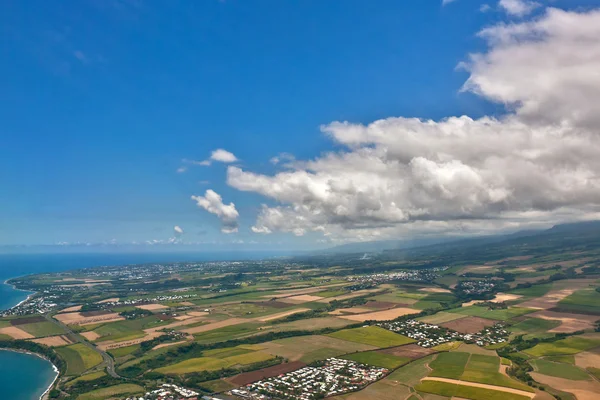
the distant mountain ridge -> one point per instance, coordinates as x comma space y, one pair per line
450, 242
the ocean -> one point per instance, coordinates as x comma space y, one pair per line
26, 377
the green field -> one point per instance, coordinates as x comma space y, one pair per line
218, 385
42, 329
378, 359
87, 377
79, 358
473, 368
484, 369
582, 301
228, 333
534, 325
123, 351
331, 293
128, 329
559, 370
449, 365
411, 374
372, 335
213, 364
533, 291
441, 317
466, 392
312, 348
570, 345
500, 315
117, 391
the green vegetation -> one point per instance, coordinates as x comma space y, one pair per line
449, 365
112, 391
582, 301
228, 333
372, 335
331, 293
42, 329
79, 358
532, 290
128, 329
378, 359
123, 351
218, 385
498, 314
87, 377
466, 392
211, 363
441, 317
570, 345
534, 325
559, 370
411, 374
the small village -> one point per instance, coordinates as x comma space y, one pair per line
168, 392
413, 276
475, 287
334, 377
428, 335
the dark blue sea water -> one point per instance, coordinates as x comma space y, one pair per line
26, 377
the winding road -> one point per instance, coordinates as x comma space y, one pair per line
108, 360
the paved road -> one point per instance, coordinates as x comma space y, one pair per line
108, 361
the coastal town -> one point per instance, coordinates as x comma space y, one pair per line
333, 376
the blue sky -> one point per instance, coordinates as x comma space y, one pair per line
102, 100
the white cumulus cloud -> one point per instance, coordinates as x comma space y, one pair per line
177, 231
227, 213
539, 163
518, 8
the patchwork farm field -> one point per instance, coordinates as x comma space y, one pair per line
112, 392
378, 359
79, 358
373, 336
570, 345
498, 314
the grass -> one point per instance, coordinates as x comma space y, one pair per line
559, 370
582, 301
484, 312
568, 359
594, 371
312, 348
447, 346
484, 369
213, 364
449, 365
42, 329
533, 291
378, 359
227, 333
226, 352
123, 351
87, 377
218, 385
128, 329
331, 293
5, 337
372, 335
534, 325
411, 374
466, 392
570, 345
112, 391
441, 317
79, 358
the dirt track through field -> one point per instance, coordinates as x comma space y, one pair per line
482, 386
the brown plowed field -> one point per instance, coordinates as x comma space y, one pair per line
53, 341
468, 325
28, 320
382, 305
272, 304
411, 351
249, 377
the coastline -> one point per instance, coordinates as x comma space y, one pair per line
43, 396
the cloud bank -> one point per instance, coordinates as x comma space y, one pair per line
538, 163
